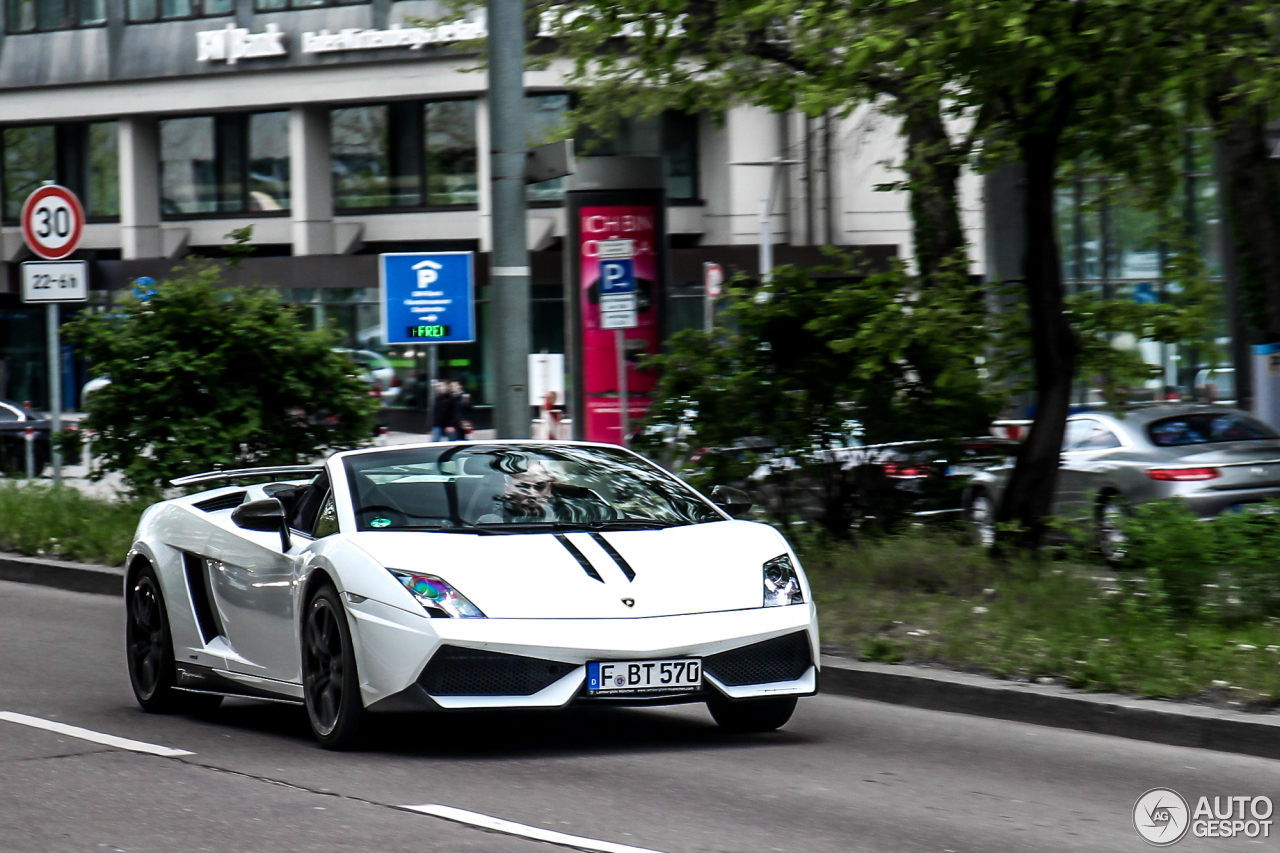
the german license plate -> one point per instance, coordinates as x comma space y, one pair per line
647, 676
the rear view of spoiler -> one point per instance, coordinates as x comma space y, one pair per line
278, 472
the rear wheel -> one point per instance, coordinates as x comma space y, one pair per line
149, 647
752, 715
330, 682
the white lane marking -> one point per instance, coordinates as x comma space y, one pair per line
496, 824
90, 735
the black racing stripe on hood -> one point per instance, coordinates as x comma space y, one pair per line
617, 558
579, 556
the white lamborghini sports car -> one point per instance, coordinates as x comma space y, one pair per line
436, 577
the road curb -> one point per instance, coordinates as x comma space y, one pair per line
78, 577
1172, 723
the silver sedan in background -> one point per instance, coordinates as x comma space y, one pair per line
1214, 458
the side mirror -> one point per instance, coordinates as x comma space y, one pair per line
734, 502
267, 515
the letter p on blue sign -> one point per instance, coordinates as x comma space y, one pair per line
617, 276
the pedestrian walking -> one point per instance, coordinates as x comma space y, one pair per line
444, 414
462, 409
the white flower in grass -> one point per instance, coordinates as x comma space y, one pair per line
1219, 683
979, 610
1245, 647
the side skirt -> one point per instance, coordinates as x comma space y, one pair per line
194, 678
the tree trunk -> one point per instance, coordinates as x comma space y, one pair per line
933, 172
1251, 191
1028, 499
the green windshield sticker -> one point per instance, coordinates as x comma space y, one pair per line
380, 522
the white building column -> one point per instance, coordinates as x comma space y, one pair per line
311, 180
139, 147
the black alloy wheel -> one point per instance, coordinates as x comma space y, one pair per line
149, 647
330, 683
752, 715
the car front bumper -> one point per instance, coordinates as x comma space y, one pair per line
394, 649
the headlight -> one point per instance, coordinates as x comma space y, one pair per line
781, 584
440, 600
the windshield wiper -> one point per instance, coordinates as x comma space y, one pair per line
562, 526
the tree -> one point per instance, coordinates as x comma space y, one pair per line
831, 355
642, 56
203, 376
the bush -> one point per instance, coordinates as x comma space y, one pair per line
37, 520
1182, 550
205, 376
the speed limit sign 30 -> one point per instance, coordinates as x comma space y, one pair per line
52, 222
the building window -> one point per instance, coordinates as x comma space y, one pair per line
279, 5
237, 163
27, 16
1113, 243
407, 154
142, 11
80, 156
671, 135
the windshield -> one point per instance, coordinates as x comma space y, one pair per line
1206, 428
507, 488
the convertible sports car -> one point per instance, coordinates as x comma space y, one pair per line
434, 577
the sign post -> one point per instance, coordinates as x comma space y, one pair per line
712, 281
428, 298
618, 309
52, 224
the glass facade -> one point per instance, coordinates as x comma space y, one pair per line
237, 163
407, 154
141, 11
1113, 243
27, 16
82, 157
277, 5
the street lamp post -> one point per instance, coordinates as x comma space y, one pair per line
509, 268
766, 212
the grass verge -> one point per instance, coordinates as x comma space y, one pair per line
39, 520
929, 597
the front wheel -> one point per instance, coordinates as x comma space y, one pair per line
330, 683
149, 647
752, 715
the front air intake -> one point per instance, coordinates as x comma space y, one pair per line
455, 671
785, 658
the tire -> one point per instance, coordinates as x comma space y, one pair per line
1110, 537
752, 715
981, 515
330, 681
149, 650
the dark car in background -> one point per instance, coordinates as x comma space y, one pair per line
14, 423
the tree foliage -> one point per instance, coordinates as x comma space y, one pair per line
203, 376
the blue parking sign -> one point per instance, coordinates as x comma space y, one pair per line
427, 297
617, 276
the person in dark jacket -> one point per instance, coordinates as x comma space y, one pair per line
444, 416
462, 410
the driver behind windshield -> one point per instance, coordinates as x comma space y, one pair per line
531, 494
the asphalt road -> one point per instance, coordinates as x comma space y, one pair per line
844, 775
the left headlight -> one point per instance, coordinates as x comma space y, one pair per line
436, 595
781, 583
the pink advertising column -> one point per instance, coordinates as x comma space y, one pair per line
613, 199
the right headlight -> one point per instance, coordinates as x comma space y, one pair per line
781, 583
436, 596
